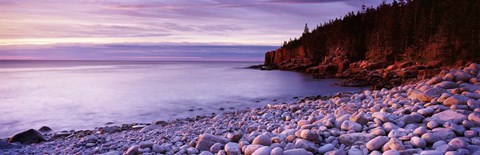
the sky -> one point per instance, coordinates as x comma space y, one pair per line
240, 30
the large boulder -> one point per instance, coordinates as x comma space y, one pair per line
205, 141
28, 137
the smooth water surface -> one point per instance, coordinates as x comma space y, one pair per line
88, 94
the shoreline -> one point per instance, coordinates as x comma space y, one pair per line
434, 116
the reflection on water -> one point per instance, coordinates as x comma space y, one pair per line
84, 95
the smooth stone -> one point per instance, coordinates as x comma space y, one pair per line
205, 141
216, 147
446, 85
431, 152
28, 137
474, 118
418, 142
302, 143
297, 152
354, 138
276, 151
396, 144
303, 122
132, 150
251, 148
456, 100
382, 116
448, 116
438, 143
262, 140
391, 152
192, 150
45, 129
146, 144
426, 111
157, 148
377, 142
336, 152
232, 148
432, 124
350, 125
205, 153
264, 150
150, 128
325, 148
354, 151
457, 143
436, 136
309, 135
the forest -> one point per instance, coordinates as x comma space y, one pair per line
446, 32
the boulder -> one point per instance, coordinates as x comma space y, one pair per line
28, 137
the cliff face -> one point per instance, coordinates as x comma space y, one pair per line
393, 40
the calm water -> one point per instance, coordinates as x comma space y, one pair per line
84, 95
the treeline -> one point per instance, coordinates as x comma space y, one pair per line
420, 30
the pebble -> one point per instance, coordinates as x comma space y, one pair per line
325, 148
377, 142
264, 150
262, 140
418, 142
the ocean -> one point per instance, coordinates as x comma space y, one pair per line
77, 95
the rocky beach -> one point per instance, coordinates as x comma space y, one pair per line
440, 115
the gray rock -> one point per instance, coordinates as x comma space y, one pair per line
456, 100
391, 152
158, 148
446, 85
377, 142
216, 147
276, 151
205, 153
192, 150
309, 135
431, 152
132, 150
396, 144
474, 118
457, 143
325, 148
297, 152
251, 148
355, 151
448, 116
265, 150
262, 140
232, 148
418, 142
354, 138
205, 141
349, 125
336, 152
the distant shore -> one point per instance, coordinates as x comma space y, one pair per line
440, 115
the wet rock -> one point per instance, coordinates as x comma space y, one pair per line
45, 129
28, 137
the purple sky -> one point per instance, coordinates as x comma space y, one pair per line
158, 29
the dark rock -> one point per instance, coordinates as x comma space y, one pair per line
28, 137
45, 129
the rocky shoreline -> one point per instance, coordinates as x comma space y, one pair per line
440, 115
